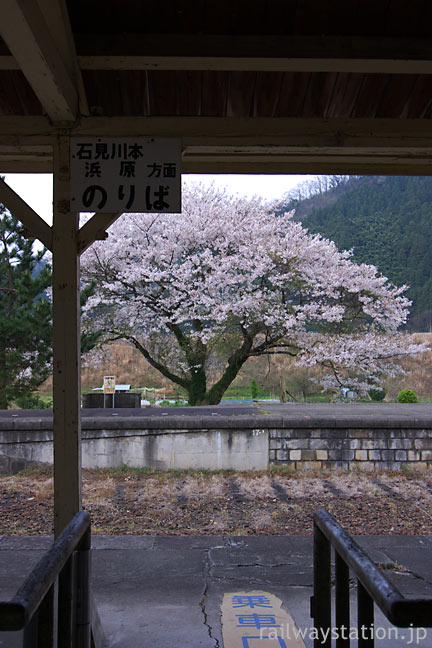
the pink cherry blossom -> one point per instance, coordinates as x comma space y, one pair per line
199, 293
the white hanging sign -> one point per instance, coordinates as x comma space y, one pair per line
125, 174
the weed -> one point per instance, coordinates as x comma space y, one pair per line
281, 469
127, 471
406, 470
36, 471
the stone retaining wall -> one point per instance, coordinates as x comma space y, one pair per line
343, 448
112, 445
229, 442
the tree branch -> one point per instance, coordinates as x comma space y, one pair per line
157, 365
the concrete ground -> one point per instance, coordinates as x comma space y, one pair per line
314, 411
167, 591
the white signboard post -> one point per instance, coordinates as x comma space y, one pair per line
126, 174
109, 387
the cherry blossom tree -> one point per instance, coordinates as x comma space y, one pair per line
199, 293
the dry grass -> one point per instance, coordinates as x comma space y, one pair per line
419, 372
143, 502
129, 366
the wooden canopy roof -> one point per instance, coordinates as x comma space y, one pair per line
271, 86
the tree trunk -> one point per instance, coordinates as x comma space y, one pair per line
4, 403
197, 387
215, 393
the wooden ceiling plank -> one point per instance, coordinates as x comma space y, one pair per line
310, 16
214, 93
240, 93
345, 93
410, 20
189, 99
267, 93
133, 92
190, 16
318, 95
35, 225
292, 93
247, 17
370, 17
395, 101
9, 98
29, 104
421, 99
163, 93
280, 17
368, 99
28, 38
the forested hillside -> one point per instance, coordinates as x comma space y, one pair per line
388, 222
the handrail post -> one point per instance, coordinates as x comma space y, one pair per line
321, 604
30, 634
66, 612
342, 602
83, 612
365, 617
47, 621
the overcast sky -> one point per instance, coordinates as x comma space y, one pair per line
36, 189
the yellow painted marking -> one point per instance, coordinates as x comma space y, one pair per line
256, 620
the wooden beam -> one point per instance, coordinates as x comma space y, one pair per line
196, 131
264, 53
66, 357
242, 64
406, 134
26, 166
254, 145
29, 40
56, 16
350, 54
34, 224
314, 164
95, 230
13, 128
26, 159
250, 64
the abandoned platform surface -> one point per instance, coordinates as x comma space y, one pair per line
167, 591
330, 412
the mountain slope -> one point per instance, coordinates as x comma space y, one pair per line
388, 222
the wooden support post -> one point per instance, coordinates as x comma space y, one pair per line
66, 318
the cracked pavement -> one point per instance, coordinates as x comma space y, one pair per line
167, 591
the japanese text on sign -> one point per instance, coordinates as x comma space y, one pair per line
256, 620
126, 174
109, 384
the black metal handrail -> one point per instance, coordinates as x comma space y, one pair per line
372, 587
52, 605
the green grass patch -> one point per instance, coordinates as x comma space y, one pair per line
244, 393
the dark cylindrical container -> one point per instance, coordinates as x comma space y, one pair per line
119, 399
